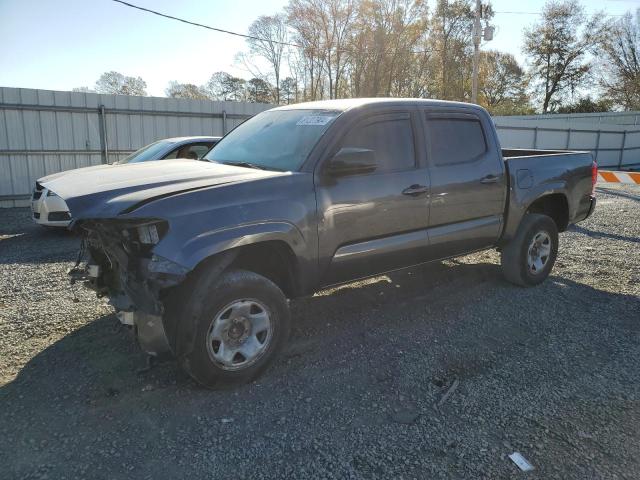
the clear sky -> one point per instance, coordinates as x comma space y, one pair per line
63, 44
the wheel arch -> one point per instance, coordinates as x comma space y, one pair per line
554, 205
272, 258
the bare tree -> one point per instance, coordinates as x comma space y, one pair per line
401, 48
324, 27
119, 84
557, 48
307, 63
450, 36
185, 90
619, 62
384, 46
272, 34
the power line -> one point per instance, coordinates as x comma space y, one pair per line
252, 37
295, 45
206, 26
542, 13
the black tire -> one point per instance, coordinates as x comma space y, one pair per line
211, 294
514, 258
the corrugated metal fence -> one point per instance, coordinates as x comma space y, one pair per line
44, 131
613, 146
612, 118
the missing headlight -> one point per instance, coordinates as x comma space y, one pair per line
148, 234
160, 264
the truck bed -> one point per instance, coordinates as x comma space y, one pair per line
524, 152
534, 173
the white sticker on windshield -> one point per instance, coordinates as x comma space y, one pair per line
315, 120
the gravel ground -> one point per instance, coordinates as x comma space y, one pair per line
436, 372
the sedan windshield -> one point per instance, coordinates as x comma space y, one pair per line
150, 152
273, 140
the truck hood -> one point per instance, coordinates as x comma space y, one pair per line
109, 190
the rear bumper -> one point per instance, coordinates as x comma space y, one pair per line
592, 207
586, 208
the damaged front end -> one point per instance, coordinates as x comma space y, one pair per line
116, 259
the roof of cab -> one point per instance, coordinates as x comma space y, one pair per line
200, 138
349, 103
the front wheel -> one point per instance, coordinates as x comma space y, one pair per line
236, 325
529, 257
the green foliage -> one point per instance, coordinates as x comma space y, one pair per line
557, 47
288, 91
587, 105
502, 84
258, 91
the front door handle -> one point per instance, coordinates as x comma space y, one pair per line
415, 190
489, 179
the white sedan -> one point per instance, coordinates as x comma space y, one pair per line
50, 210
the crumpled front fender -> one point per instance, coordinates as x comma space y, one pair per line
207, 244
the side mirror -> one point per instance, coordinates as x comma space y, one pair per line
352, 161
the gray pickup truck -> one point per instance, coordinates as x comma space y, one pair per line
201, 257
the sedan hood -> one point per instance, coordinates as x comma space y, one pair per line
109, 190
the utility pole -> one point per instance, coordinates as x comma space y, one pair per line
477, 35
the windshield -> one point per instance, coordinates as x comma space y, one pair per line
149, 152
274, 140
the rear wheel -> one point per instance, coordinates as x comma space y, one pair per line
529, 257
235, 326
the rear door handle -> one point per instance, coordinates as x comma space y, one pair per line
489, 179
415, 190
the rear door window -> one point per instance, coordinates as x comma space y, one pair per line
455, 140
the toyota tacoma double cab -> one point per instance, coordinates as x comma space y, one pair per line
202, 257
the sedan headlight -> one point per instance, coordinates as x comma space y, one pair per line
51, 194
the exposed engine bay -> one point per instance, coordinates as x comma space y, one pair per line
116, 260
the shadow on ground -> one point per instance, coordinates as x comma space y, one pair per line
618, 193
604, 235
358, 355
25, 242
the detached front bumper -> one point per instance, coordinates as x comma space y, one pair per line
149, 331
147, 326
135, 286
